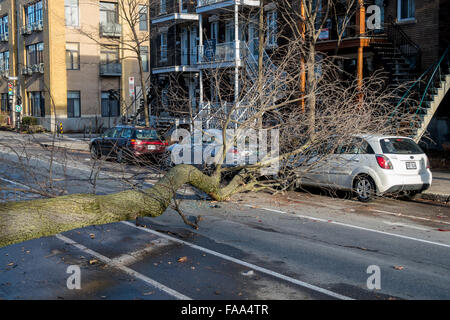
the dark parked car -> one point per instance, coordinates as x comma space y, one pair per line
128, 143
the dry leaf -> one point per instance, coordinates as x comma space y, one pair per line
93, 261
398, 268
182, 259
92, 236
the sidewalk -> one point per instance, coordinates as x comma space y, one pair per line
68, 141
440, 187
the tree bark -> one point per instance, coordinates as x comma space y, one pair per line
26, 220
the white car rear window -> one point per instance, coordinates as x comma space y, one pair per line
399, 146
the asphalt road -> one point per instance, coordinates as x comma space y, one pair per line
292, 246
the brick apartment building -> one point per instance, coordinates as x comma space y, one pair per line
191, 37
68, 56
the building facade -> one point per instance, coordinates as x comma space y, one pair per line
193, 38
72, 60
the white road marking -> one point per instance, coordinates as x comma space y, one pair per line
399, 224
125, 269
408, 216
15, 183
357, 227
135, 256
245, 264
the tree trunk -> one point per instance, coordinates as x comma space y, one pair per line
25, 220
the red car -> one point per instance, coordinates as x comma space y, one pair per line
128, 143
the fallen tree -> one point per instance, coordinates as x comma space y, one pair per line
25, 220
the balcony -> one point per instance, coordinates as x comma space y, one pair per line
29, 28
211, 5
219, 55
175, 60
178, 12
111, 69
110, 29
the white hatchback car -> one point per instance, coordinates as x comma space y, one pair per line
370, 165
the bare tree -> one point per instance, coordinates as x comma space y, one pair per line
335, 115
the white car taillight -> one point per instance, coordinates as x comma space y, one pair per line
428, 163
384, 162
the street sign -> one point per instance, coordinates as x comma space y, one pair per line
18, 108
13, 78
131, 86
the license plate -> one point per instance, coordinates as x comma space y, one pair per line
151, 147
411, 165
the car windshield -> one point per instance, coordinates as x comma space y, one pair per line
146, 134
399, 146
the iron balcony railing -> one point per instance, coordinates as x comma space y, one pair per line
410, 50
110, 69
110, 29
202, 3
220, 52
423, 89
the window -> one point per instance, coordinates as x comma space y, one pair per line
272, 29
4, 26
73, 104
215, 30
399, 146
109, 55
71, 13
33, 14
144, 57
162, 7
108, 13
164, 46
110, 106
406, 10
35, 53
36, 103
73, 56
143, 18
5, 103
126, 133
4, 61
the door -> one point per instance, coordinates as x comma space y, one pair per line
349, 157
184, 47
105, 142
193, 45
253, 38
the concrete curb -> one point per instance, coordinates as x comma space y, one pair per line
445, 198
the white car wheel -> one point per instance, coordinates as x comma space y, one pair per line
364, 188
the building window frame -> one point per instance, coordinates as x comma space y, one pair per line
4, 25
109, 107
162, 7
73, 104
72, 13
35, 54
73, 56
163, 46
36, 103
34, 13
143, 18
410, 10
144, 58
272, 28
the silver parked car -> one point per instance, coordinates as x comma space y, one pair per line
370, 165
